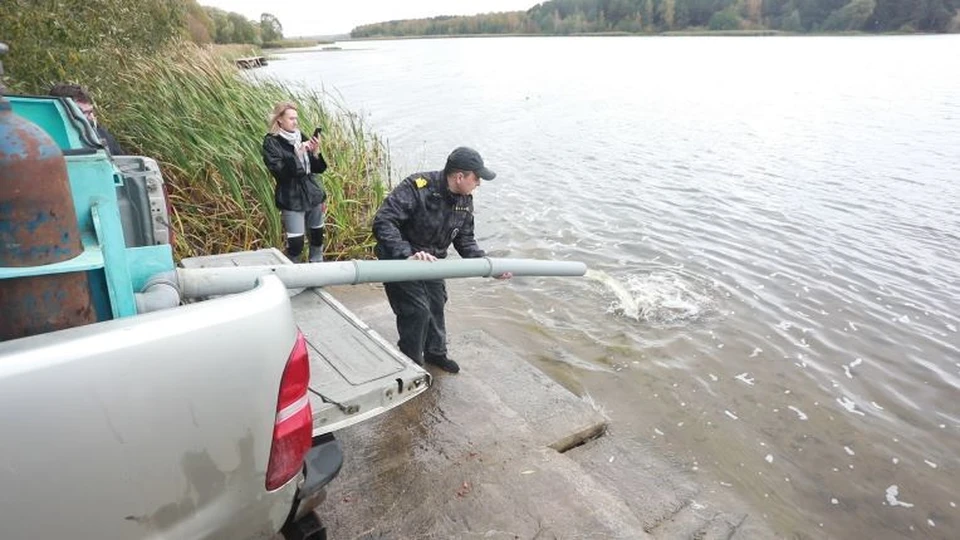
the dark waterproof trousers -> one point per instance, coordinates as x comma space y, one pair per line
418, 306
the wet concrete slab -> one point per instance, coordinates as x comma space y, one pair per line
502, 451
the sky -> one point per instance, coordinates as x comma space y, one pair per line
319, 17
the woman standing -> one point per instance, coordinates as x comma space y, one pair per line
293, 160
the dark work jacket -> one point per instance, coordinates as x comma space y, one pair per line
109, 142
297, 189
422, 214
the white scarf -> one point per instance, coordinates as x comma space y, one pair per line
294, 138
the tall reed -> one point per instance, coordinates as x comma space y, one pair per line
204, 122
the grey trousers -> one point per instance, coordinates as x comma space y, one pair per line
296, 224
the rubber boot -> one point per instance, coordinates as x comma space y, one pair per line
294, 248
316, 245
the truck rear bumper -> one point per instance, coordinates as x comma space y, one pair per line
321, 465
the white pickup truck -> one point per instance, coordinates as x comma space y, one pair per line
128, 413
211, 419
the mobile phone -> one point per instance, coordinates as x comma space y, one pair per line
316, 132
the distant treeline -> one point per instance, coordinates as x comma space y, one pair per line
207, 24
566, 17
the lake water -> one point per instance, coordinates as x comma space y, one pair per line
773, 236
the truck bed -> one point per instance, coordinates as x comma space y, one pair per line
355, 373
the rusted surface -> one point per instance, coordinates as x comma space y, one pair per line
41, 304
38, 226
38, 223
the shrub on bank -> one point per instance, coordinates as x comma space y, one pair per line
204, 122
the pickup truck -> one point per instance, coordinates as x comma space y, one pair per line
143, 400
212, 418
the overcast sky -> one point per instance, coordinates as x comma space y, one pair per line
324, 17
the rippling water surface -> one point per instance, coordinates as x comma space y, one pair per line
773, 236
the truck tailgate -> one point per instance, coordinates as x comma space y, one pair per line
354, 373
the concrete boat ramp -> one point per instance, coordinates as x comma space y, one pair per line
502, 451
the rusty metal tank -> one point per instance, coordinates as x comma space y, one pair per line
38, 229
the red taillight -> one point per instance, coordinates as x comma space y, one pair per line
293, 429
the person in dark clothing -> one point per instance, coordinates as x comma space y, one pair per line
294, 161
85, 103
419, 220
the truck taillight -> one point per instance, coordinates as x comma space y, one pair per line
293, 429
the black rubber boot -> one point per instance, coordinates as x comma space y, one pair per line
294, 248
442, 362
316, 245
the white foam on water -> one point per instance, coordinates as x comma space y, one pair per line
756, 351
892, 493
745, 378
851, 365
952, 328
731, 415
657, 431
849, 451
904, 319
874, 403
769, 458
852, 326
800, 413
660, 296
849, 405
930, 463
931, 523
713, 377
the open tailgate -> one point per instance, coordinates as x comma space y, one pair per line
355, 374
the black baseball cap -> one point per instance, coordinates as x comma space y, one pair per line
468, 159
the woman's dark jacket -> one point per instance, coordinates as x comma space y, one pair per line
297, 189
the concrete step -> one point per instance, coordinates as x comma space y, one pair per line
670, 503
460, 461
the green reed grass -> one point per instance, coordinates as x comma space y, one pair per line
204, 122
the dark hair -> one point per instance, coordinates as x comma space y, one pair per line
75, 91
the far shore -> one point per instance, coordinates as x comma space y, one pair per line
672, 33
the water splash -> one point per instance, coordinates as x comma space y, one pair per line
661, 296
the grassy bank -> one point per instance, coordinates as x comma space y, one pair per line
193, 112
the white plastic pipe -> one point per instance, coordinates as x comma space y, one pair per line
160, 292
200, 282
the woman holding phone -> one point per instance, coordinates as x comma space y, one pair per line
295, 161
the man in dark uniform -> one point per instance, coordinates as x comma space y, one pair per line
419, 220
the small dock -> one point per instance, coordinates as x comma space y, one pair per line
251, 62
